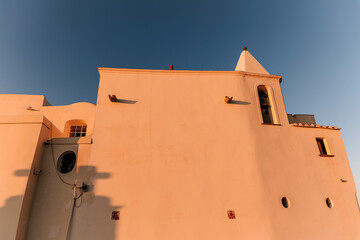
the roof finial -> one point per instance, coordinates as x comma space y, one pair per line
244, 48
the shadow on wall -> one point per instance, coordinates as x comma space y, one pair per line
126, 101
239, 102
22, 172
10, 212
55, 214
9, 217
92, 217
55, 132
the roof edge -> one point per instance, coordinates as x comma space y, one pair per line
314, 126
104, 69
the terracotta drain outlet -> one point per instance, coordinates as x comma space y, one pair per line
115, 215
231, 214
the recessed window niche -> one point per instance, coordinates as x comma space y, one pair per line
75, 128
323, 147
266, 105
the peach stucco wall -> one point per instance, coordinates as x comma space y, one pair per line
179, 158
21, 148
173, 158
15, 105
23, 132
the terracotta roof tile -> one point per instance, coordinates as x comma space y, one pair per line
313, 126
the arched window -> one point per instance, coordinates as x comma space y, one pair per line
267, 111
75, 128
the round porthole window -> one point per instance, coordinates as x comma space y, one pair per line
329, 203
66, 162
285, 202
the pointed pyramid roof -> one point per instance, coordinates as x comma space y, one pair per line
248, 63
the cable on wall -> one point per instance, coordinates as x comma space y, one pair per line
75, 198
74, 187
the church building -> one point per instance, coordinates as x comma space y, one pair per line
173, 155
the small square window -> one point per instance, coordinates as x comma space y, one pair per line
77, 131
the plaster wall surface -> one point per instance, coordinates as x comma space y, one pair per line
179, 158
53, 204
173, 158
22, 139
14, 104
24, 131
18, 105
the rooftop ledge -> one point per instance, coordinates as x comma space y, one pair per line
102, 69
70, 141
25, 119
314, 126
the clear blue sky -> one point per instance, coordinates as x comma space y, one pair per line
54, 47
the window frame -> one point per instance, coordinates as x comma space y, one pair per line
82, 130
321, 143
70, 124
